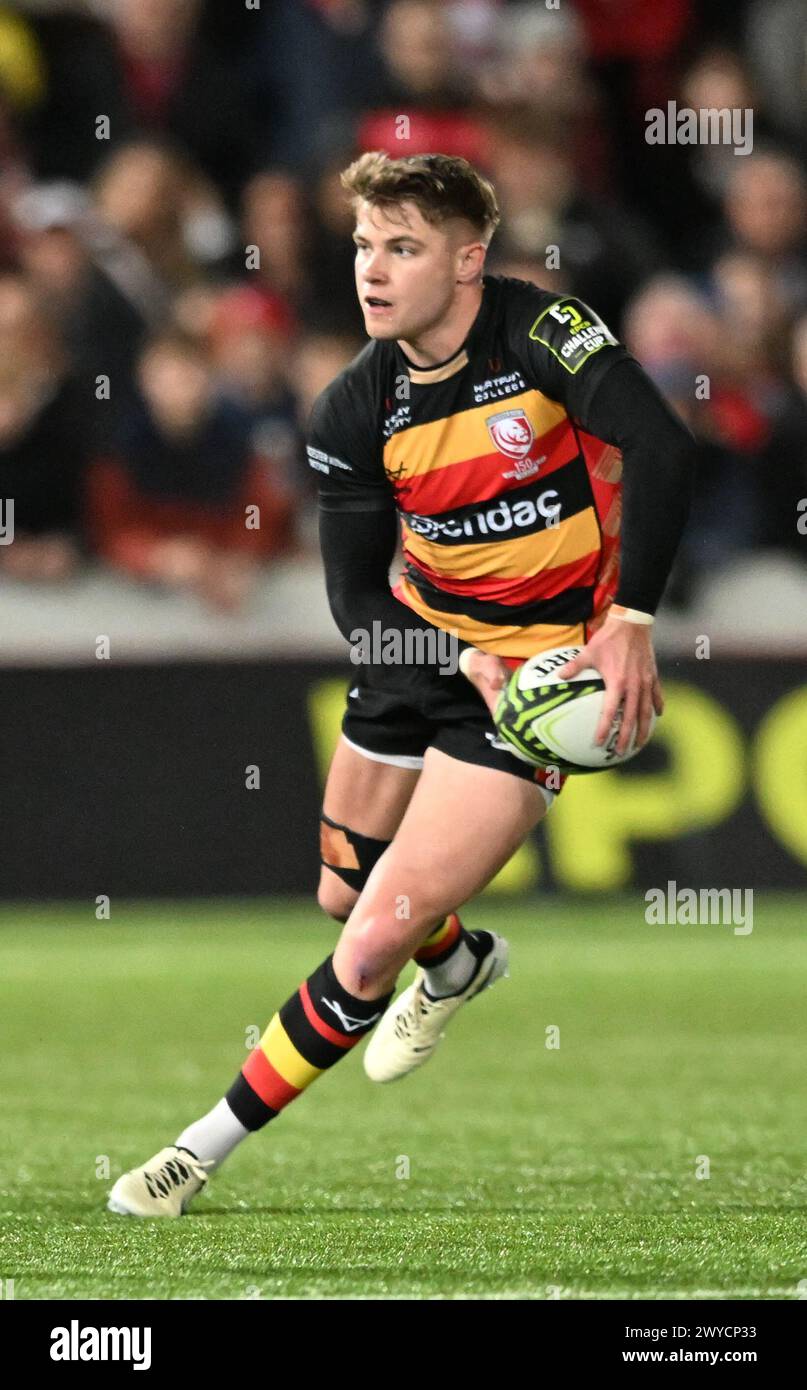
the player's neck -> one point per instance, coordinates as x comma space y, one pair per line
443, 341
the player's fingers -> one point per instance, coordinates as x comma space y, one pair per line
489, 676
491, 697
577, 663
496, 673
611, 703
658, 696
644, 716
630, 710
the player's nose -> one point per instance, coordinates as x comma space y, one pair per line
374, 271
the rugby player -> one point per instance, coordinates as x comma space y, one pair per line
540, 485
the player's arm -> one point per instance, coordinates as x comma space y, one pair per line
657, 472
577, 361
358, 529
572, 356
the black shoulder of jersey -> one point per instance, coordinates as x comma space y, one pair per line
515, 293
356, 386
345, 441
517, 300
561, 344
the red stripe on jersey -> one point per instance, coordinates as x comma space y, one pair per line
603, 463
482, 478
266, 1082
324, 1029
516, 592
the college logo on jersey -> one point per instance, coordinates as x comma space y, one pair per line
514, 436
493, 388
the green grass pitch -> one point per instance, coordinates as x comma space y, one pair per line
533, 1172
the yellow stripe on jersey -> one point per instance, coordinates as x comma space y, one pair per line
570, 540
504, 641
457, 438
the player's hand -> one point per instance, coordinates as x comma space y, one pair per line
623, 654
488, 674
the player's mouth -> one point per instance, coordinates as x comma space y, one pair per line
376, 306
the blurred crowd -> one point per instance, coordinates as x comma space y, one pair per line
176, 259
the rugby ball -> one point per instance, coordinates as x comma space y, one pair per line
551, 722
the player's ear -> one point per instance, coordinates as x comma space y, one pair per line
470, 262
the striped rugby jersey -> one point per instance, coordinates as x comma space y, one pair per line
509, 508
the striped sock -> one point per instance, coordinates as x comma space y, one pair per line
320, 1023
443, 940
450, 957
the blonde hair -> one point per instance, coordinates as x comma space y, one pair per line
441, 186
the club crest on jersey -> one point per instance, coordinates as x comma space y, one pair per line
514, 436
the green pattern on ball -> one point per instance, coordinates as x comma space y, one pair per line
528, 714
515, 722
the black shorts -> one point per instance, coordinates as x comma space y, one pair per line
451, 715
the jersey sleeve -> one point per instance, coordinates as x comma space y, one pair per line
568, 350
343, 450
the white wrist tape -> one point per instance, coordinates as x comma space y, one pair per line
628, 615
464, 659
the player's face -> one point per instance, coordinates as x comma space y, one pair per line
406, 270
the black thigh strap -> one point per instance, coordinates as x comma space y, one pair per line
350, 855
